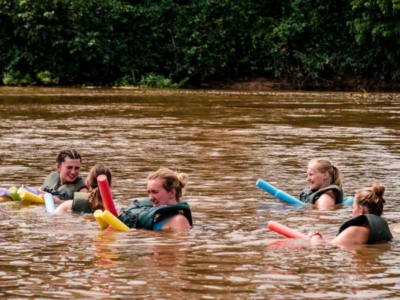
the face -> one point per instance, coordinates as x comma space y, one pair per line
69, 170
158, 195
358, 210
317, 179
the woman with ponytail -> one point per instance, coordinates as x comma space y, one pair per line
325, 181
367, 226
87, 202
163, 210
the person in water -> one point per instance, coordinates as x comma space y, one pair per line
163, 210
87, 202
63, 183
325, 181
367, 226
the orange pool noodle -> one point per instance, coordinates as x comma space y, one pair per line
286, 231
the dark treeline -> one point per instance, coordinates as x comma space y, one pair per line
121, 42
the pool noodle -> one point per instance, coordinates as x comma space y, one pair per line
281, 195
14, 193
27, 196
348, 200
5, 194
106, 194
286, 231
49, 202
31, 190
97, 215
112, 220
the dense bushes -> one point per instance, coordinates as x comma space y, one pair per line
117, 42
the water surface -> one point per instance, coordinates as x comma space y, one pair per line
224, 142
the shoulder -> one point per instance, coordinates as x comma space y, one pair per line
326, 200
353, 235
178, 222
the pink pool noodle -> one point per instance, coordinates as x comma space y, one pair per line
286, 231
106, 194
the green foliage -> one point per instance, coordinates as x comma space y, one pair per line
152, 80
114, 42
16, 78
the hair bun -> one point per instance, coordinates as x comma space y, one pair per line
378, 189
183, 179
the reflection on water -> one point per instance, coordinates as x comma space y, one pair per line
225, 143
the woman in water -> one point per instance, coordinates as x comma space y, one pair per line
325, 181
63, 183
367, 226
163, 210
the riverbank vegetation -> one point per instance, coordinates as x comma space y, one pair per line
299, 44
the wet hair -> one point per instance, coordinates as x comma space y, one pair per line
63, 154
325, 165
171, 180
371, 198
94, 196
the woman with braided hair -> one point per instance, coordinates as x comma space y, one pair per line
367, 226
63, 183
87, 202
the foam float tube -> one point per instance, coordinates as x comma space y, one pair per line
27, 196
105, 192
348, 200
114, 222
281, 195
31, 190
97, 215
14, 193
49, 202
5, 195
286, 231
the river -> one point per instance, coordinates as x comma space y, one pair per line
224, 142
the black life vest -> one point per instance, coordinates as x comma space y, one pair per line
310, 196
379, 228
141, 214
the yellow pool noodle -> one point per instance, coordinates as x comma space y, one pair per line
14, 193
114, 221
25, 195
97, 215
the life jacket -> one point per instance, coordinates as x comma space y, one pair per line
81, 204
66, 191
310, 196
141, 214
379, 228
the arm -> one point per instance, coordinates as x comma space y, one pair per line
64, 207
177, 223
353, 235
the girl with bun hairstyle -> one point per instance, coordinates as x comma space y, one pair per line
367, 226
163, 210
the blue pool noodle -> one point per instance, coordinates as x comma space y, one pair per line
281, 195
348, 200
49, 202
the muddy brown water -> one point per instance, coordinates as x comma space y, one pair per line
224, 142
